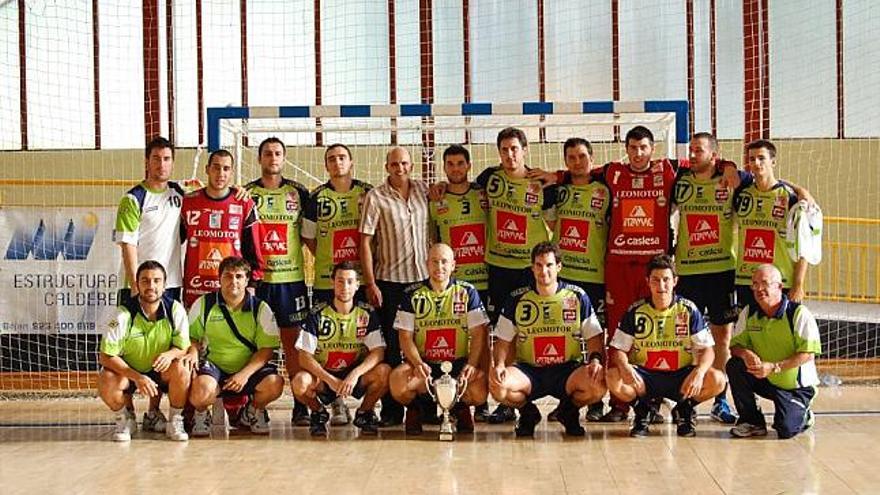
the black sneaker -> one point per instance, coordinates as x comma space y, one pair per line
481, 413
464, 421
501, 414
413, 419
594, 412
392, 414
529, 417
318, 423
429, 411
654, 415
615, 415
299, 416
687, 419
367, 422
570, 417
640, 421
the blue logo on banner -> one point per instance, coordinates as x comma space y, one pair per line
72, 242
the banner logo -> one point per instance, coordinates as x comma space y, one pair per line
47, 241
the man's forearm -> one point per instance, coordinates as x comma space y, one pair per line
258, 360
129, 264
367, 259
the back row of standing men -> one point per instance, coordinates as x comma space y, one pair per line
608, 222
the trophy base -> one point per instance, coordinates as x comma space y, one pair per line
446, 437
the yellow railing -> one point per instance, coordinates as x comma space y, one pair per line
850, 271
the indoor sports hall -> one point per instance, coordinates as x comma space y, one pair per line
85, 84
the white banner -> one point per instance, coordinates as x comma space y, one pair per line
59, 269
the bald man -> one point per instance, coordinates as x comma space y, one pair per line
394, 251
440, 319
772, 354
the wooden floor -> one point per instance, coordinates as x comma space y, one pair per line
63, 446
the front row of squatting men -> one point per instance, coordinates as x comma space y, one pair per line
501, 184
662, 349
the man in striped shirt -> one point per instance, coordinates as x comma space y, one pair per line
395, 213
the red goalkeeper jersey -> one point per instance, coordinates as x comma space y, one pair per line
214, 229
640, 206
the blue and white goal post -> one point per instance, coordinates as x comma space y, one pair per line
426, 129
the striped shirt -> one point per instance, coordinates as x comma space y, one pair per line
400, 228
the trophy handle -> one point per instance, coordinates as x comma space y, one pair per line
429, 382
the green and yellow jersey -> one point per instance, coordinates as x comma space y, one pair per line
331, 218
280, 213
705, 227
441, 321
662, 340
517, 210
763, 227
548, 330
460, 222
340, 341
582, 230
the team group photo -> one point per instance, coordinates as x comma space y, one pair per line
440, 247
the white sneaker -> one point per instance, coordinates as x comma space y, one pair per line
175, 430
154, 421
257, 419
125, 425
201, 424
339, 413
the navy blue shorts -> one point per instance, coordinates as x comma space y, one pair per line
289, 302
548, 380
713, 293
326, 395
503, 281
664, 383
211, 369
155, 376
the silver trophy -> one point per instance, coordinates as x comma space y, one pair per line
446, 392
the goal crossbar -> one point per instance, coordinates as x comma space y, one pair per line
677, 109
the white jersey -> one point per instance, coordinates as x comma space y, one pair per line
804, 227
150, 220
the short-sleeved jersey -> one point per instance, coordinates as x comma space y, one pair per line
705, 227
331, 218
213, 230
460, 222
763, 229
517, 209
662, 340
150, 220
640, 209
550, 329
254, 320
340, 341
138, 340
280, 212
792, 329
441, 321
582, 230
